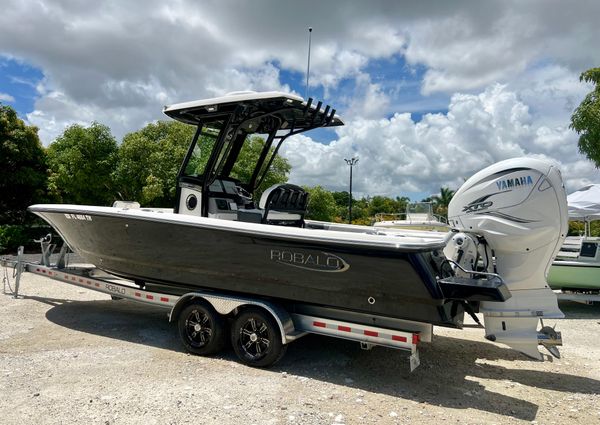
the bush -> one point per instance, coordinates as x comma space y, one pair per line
14, 235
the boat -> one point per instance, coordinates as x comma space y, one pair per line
418, 216
576, 267
510, 217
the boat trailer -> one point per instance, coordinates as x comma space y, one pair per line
257, 326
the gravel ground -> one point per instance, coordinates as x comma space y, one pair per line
70, 355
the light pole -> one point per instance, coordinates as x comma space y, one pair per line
308, 65
351, 162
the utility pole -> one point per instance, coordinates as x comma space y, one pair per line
351, 162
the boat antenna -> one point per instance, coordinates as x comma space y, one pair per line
308, 65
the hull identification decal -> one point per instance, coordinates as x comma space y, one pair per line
83, 217
316, 262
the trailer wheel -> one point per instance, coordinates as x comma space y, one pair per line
203, 331
256, 338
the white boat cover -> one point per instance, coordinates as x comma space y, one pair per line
584, 204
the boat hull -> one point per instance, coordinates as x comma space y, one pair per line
574, 275
381, 281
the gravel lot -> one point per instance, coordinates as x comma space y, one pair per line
70, 355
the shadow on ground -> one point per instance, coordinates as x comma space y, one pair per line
575, 310
445, 377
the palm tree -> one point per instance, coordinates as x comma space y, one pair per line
442, 201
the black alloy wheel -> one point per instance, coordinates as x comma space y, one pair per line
256, 338
202, 330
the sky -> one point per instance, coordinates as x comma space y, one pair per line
431, 91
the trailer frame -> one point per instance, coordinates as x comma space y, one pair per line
291, 326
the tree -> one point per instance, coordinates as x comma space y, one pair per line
321, 204
148, 162
442, 201
23, 174
586, 118
383, 204
81, 161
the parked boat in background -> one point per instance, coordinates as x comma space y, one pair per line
577, 264
418, 216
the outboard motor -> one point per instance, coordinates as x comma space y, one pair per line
511, 219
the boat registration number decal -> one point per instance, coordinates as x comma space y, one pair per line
83, 217
318, 262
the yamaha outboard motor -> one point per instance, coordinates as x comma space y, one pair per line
511, 219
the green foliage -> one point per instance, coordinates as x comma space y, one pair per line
341, 198
148, 162
577, 228
441, 202
586, 118
383, 204
81, 162
364, 209
12, 236
321, 204
23, 172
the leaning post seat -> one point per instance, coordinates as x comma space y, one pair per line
284, 204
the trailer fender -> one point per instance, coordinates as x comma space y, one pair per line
226, 304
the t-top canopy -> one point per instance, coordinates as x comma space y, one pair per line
292, 110
584, 204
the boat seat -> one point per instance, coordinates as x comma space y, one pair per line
284, 204
281, 204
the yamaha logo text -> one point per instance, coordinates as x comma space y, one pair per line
516, 183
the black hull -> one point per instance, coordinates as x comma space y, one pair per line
177, 257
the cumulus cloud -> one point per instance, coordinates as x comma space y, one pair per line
504, 74
5, 97
398, 155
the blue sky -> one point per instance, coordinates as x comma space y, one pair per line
19, 80
430, 92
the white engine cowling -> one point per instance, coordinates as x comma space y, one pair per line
519, 207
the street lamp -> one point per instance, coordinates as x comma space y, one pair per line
351, 162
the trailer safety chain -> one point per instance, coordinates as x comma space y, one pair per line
6, 280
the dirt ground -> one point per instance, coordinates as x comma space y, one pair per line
70, 355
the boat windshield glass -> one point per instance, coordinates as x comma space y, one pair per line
203, 148
248, 158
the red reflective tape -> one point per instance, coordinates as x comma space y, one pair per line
97, 285
67, 277
37, 270
320, 324
73, 279
88, 282
344, 328
49, 273
371, 333
164, 300
415, 339
80, 280
399, 338
150, 297
43, 271
137, 294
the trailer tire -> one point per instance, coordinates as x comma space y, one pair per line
256, 338
202, 330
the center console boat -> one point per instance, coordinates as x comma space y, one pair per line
508, 222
